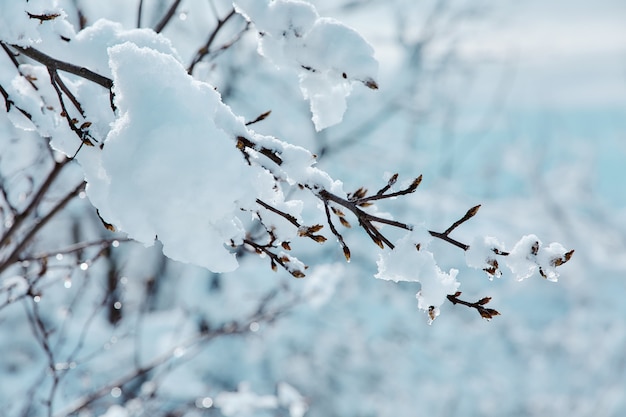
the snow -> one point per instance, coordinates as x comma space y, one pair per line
405, 262
244, 402
328, 55
16, 27
482, 254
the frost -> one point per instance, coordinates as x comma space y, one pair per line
328, 55
529, 256
522, 260
482, 255
406, 263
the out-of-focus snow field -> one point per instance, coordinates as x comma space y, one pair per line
535, 130
520, 107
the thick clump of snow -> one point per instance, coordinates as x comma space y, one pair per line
328, 55
410, 261
527, 257
170, 169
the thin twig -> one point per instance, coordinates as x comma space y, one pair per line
158, 28
286, 216
139, 13
14, 256
34, 203
205, 49
105, 243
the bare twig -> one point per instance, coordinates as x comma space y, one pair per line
191, 347
206, 48
104, 243
34, 203
15, 254
139, 13
287, 216
486, 313
243, 144
158, 28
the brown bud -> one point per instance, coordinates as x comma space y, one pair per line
560, 261
472, 212
297, 273
360, 193
484, 301
535, 248
337, 211
488, 313
416, 182
370, 83
285, 246
344, 222
431, 313
346, 253
318, 238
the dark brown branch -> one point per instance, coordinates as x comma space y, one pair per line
55, 64
286, 216
366, 220
274, 258
59, 82
468, 215
344, 247
381, 193
448, 239
486, 313
243, 143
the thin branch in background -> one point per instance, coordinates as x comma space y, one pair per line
190, 347
103, 243
42, 336
34, 203
139, 14
15, 254
205, 49
158, 28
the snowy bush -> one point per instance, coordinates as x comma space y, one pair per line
114, 115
